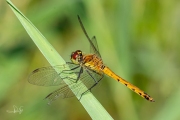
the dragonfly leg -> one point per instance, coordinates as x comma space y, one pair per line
89, 89
79, 75
71, 71
92, 76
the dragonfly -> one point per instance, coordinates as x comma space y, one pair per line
86, 69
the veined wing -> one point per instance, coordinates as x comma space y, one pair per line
93, 42
95, 49
87, 79
48, 76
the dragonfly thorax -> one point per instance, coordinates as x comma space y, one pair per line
77, 57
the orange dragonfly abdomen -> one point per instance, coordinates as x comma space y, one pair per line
110, 73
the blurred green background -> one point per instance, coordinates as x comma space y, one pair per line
138, 40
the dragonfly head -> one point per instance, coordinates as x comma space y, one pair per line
76, 57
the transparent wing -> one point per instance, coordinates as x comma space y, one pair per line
48, 76
63, 92
95, 49
87, 79
93, 42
